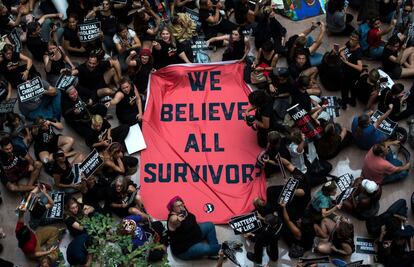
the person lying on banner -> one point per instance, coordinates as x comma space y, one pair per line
364, 201
262, 120
187, 237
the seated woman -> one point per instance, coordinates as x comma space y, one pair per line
47, 142
125, 40
400, 103
39, 211
166, 51
116, 163
366, 133
128, 103
330, 71
265, 62
63, 172
364, 201
102, 135
187, 236
321, 206
140, 66
238, 45
56, 62
123, 199
334, 139
300, 234
71, 41
394, 252
397, 61
276, 144
43, 242
74, 213
366, 87
341, 238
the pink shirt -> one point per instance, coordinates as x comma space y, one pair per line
376, 168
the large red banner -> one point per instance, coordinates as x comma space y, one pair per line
198, 145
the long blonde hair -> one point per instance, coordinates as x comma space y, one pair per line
183, 27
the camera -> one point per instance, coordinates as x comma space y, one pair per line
250, 120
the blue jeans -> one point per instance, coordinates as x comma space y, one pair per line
49, 108
375, 52
211, 248
395, 176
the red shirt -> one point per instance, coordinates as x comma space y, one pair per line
30, 246
375, 168
373, 39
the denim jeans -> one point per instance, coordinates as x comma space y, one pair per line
395, 176
211, 248
315, 58
375, 52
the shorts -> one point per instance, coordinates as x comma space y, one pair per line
50, 147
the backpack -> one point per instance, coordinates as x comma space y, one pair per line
363, 30
202, 57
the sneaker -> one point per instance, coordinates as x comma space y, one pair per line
235, 245
250, 256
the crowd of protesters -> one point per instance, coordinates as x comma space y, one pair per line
112, 70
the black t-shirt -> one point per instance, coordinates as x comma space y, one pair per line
14, 165
72, 36
295, 70
127, 105
37, 47
96, 136
69, 221
68, 110
93, 79
66, 175
167, 55
44, 137
203, 15
301, 98
108, 23
141, 77
265, 111
5, 28
291, 57
351, 75
267, 29
387, 65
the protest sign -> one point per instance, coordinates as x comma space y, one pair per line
198, 144
56, 212
8, 105
387, 126
332, 105
89, 31
355, 263
345, 194
344, 181
14, 38
65, 81
194, 16
245, 224
288, 191
134, 141
310, 261
198, 44
92, 162
230, 253
365, 245
309, 127
30, 89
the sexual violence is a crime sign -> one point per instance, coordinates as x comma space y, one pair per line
198, 144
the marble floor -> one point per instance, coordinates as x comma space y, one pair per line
350, 160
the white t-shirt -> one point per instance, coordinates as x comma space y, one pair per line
297, 158
130, 36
